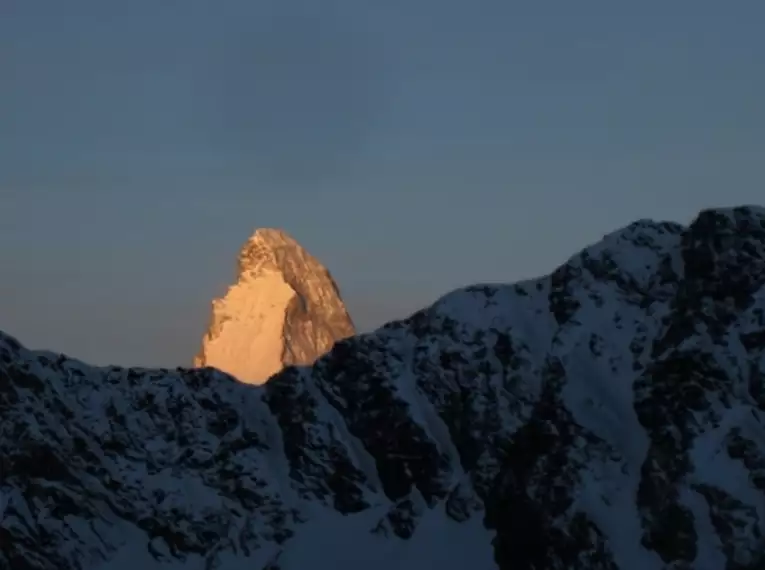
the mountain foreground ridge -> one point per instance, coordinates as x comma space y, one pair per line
283, 309
610, 415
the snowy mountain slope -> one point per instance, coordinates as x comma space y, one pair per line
607, 416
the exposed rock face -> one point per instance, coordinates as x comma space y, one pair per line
284, 309
608, 416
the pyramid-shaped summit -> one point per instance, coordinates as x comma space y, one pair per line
283, 309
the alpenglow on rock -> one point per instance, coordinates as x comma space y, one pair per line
284, 309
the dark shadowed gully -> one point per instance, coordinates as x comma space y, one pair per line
608, 416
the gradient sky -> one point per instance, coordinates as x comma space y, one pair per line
412, 146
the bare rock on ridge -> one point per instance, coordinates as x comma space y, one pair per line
284, 309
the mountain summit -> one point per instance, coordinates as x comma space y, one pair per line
284, 309
608, 416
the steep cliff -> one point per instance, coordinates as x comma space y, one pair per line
609, 416
284, 309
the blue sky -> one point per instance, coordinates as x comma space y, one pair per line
413, 147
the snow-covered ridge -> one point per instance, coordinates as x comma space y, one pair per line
607, 416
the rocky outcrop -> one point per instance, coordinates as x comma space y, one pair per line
608, 416
284, 309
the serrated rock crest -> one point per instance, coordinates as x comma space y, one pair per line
607, 416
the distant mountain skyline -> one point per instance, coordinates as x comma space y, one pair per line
412, 147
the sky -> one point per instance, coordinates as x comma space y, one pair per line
412, 146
